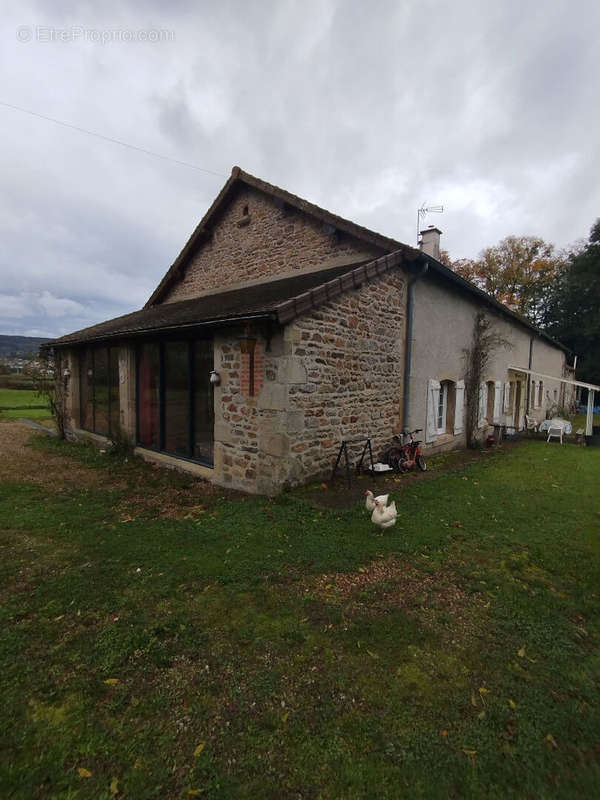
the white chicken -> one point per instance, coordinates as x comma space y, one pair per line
371, 499
384, 517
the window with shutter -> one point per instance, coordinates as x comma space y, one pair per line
497, 402
507, 396
459, 408
482, 404
533, 394
433, 395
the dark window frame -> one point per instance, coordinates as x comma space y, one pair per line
162, 400
111, 351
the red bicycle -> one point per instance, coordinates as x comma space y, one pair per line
404, 456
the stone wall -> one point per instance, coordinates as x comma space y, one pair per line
352, 352
250, 431
267, 240
333, 374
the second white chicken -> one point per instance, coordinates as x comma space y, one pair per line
382, 516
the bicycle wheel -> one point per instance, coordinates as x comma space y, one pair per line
421, 463
393, 457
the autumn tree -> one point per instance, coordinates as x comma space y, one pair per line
519, 272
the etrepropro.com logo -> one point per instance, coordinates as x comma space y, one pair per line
79, 33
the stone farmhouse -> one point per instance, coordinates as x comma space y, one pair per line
282, 329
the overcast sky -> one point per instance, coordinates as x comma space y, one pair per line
368, 109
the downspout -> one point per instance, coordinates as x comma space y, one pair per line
528, 398
410, 302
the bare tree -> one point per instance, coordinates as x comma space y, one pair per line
484, 343
50, 384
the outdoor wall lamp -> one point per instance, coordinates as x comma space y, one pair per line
215, 378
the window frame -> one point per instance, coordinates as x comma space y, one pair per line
112, 351
441, 408
162, 399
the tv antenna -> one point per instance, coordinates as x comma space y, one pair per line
422, 212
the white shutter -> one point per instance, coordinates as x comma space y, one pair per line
433, 394
497, 401
482, 403
506, 397
459, 408
533, 399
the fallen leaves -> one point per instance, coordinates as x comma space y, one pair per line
482, 693
199, 749
83, 772
111, 681
551, 740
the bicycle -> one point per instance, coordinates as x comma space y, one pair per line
404, 456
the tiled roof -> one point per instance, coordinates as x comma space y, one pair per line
279, 300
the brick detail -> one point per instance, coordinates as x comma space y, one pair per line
252, 378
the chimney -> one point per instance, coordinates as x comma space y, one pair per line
430, 241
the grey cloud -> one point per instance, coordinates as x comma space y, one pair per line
366, 110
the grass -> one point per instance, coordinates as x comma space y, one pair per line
262, 649
579, 421
23, 404
16, 381
19, 398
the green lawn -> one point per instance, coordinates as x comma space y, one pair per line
23, 403
268, 650
579, 421
19, 398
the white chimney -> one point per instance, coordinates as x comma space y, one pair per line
430, 241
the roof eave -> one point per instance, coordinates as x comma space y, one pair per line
166, 329
449, 274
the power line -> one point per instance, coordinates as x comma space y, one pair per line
110, 139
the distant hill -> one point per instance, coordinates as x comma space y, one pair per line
11, 346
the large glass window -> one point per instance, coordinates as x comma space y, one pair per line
114, 406
86, 390
175, 398
148, 389
203, 402
99, 390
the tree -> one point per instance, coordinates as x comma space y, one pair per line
573, 312
484, 343
51, 385
519, 272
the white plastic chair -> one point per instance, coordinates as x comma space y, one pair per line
530, 423
556, 432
